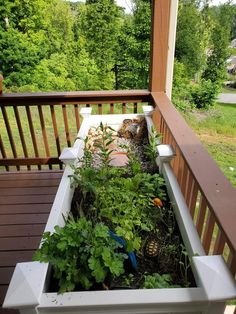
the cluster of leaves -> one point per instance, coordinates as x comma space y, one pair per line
103, 144
204, 94
91, 254
203, 36
151, 149
157, 281
57, 45
125, 203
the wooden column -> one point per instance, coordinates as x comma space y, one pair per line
1, 83
164, 16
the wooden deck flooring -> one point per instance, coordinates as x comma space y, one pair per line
25, 202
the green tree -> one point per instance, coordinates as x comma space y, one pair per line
101, 25
192, 37
19, 54
58, 25
223, 15
133, 55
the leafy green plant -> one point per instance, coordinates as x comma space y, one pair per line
151, 147
204, 94
81, 253
134, 164
104, 143
157, 281
185, 265
126, 204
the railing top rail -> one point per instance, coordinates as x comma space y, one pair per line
218, 191
82, 97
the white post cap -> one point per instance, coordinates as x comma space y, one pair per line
26, 285
69, 155
86, 112
147, 110
215, 277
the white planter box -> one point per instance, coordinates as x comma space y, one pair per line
214, 282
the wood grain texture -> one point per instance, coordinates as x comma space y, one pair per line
25, 202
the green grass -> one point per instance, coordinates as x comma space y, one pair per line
48, 127
216, 129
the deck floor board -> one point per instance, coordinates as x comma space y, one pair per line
25, 202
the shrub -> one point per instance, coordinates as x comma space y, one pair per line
204, 94
181, 87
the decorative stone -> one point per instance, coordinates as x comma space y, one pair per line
119, 159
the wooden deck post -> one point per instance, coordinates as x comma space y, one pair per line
164, 20
1, 84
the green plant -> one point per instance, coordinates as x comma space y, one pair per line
134, 164
157, 281
125, 203
104, 143
185, 265
204, 94
151, 147
81, 253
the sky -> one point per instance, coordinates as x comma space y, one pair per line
127, 3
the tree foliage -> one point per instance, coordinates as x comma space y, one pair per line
203, 36
57, 45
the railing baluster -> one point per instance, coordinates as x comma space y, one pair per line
112, 108
175, 159
231, 262
3, 152
208, 231
66, 125
33, 137
135, 107
99, 108
21, 133
55, 129
180, 170
189, 187
77, 117
44, 133
220, 243
201, 215
164, 133
162, 128
184, 178
123, 107
193, 198
169, 137
9, 132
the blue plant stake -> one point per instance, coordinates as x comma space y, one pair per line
122, 242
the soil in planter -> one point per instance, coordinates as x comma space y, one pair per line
162, 254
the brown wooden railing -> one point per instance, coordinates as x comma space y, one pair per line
35, 127
209, 195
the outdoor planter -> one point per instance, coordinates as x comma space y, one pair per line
214, 283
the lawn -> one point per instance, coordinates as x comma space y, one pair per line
216, 129
48, 127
